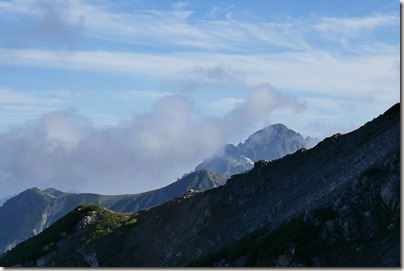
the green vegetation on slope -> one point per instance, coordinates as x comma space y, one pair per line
105, 222
42, 243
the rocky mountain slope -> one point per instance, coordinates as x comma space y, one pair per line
272, 142
33, 210
269, 143
3, 200
337, 204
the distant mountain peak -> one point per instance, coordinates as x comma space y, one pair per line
276, 126
269, 143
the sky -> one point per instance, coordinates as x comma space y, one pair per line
120, 97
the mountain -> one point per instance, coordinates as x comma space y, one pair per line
3, 200
270, 143
337, 204
33, 210
227, 161
273, 142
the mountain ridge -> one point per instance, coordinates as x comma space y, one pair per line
59, 203
38, 208
356, 175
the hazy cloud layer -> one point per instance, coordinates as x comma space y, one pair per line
218, 75
63, 149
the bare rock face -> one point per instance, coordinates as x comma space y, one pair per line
390, 193
84, 222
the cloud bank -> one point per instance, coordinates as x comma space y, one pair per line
63, 149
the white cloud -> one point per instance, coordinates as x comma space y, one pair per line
314, 72
64, 19
65, 22
63, 149
24, 98
216, 10
224, 49
64, 127
18, 106
355, 26
261, 101
372, 77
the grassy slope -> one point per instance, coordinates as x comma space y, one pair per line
34, 248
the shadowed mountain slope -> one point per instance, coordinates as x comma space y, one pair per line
342, 195
33, 210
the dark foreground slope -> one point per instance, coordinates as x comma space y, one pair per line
33, 210
336, 204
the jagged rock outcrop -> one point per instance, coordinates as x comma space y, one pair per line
270, 143
274, 142
339, 201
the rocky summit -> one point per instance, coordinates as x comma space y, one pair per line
272, 142
336, 204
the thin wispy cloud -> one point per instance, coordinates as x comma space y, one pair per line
181, 5
313, 72
175, 26
23, 98
219, 10
355, 27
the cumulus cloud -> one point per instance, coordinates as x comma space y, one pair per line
262, 100
63, 149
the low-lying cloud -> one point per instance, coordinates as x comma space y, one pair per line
63, 149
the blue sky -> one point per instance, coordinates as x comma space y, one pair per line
116, 66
